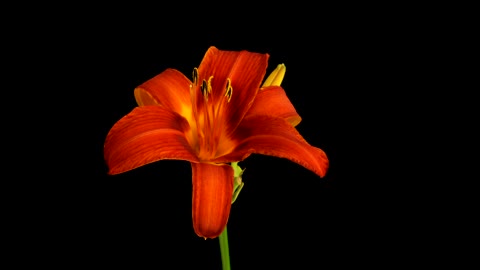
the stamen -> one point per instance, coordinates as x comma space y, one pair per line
204, 88
195, 76
228, 90
209, 84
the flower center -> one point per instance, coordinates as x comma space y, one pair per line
209, 100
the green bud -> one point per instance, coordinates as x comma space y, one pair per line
237, 180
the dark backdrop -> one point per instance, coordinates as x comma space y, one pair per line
285, 215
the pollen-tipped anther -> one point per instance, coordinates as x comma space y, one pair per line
228, 90
204, 89
195, 76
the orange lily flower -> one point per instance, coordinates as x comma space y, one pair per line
221, 116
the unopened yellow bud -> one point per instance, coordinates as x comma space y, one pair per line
276, 77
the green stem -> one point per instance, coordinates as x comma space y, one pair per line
223, 238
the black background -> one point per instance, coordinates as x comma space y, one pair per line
339, 62
285, 213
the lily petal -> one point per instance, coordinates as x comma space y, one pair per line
273, 136
170, 89
244, 69
212, 198
145, 135
273, 100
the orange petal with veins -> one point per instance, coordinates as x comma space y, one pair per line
274, 136
170, 89
145, 135
212, 198
273, 101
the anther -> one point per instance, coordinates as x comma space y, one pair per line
228, 90
204, 88
209, 84
195, 76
